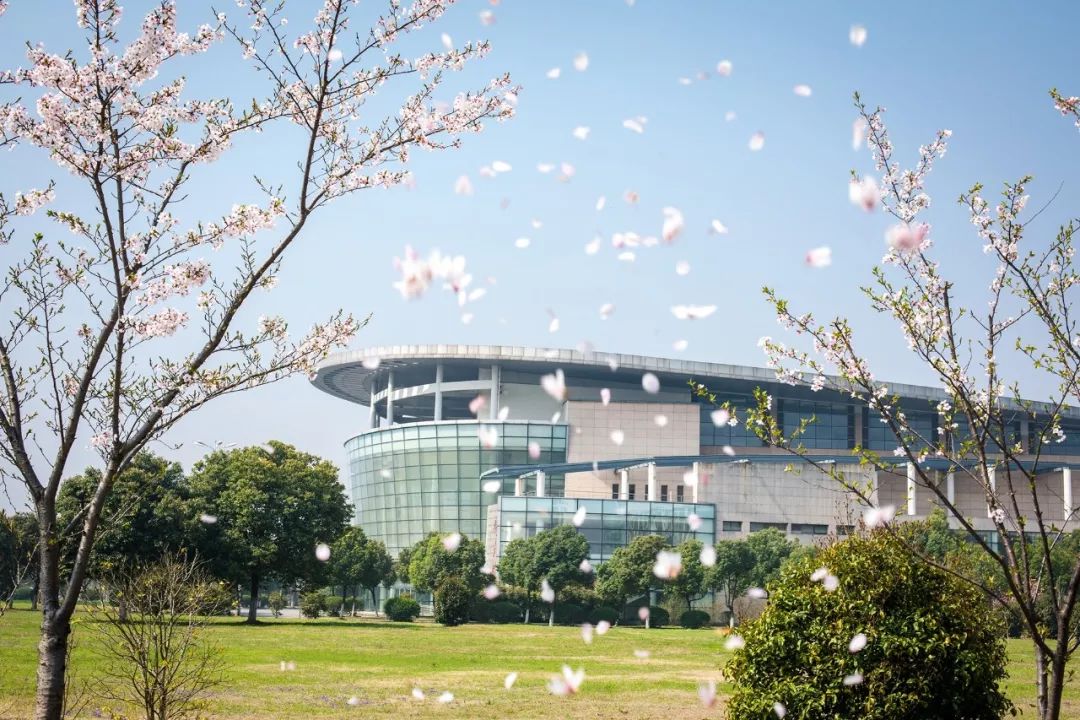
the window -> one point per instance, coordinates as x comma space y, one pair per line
845, 529
732, 526
878, 435
663, 493
615, 491
809, 529
633, 491
829, 426
679, 491
756, 526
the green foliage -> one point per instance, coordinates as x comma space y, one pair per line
690, 582
932, 652
276, 602
694, 619
770, 548
752, 562
272, 508
145, 516
430, 564
312, 604
452, 602
658, 616
18, 557
629, 572
559, 554
568, 613
403, 608
579, 595
499, 611
357, 560
517, 566
609, 614
334, 604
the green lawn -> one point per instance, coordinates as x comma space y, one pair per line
380, 663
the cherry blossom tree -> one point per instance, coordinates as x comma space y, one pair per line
123, 316
1029, 315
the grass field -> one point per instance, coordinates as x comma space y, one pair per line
380, 663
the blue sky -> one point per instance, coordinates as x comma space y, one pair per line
979, 69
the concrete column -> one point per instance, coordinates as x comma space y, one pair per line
950, 487
1066, 491
389, 398
438, 392
493, 401
372, 417
519, 486
650, 488
624, 484
911, 488
697, 482
541, 483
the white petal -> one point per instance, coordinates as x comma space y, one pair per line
493, 486
853, 679
617, 437
322, 552
452, 541
682, 268
581, 62
819, 257
734, 642
723, 68
501, 166
547, 594
463, 186
857, 35
779, 709
857, 643
602, 627
522, 243
650, 383
718, 227
447, 42
803, 90
492, 591
587, 633
605, 396
579, 516
581, 132
418, 693
446, 697
511, 678
554, 73
708, 555
757, 141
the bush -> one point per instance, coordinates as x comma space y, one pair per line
334, 604
452, 601
276, 602
499, 611
658, 616
604, 613
933, 651
694, 619
579, 595
568, 613
312, 604
402, 609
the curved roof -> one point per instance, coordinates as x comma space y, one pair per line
345, 375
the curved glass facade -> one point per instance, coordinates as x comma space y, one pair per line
409, 480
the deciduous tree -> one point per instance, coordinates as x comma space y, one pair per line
559, 553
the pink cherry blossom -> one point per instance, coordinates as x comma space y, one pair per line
819, 257
779, 709
587, 633
673, 224
879, 517
643, 613
534, 450
463, 186
857, 643
903, 237
864, 193
492, 591
567, 684
587, 568
650, 383
477, 404
723, 68
694, 521
859, 129
707, 693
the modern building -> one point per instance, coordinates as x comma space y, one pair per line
466, 438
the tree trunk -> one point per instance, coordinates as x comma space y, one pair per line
1056, 680
122, 614
52, 667
253, 604
375, 600
34, 593
1040, 684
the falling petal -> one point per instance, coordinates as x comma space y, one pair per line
617, 437
734, 642
353, 701
708, 555
587, 633
661, 420
500, 166
593, 246
492, 486
757, 141
322, 552
547, 594
723, 68
605, 396
682, 268
631, 197
585, 566
554, 73
504, 412
522, 243
757, 593
680, 345
668, 565
371, 363
544, 168
859, 129
553, 326
627, 256
707, 693
694, 521
720, 417
511, 678
803, 90
463, 186
600, 203
579, 516
650, 383
492, 591
534, 450
487, 17
207, 519
878, 517
643, 613
820, 574
673, 224
864, 193
446, 697
581, 132
830, 583
779, 709
567, 171
477, 404
729, 115
605, 311
581, 62
693, 312
728, 450
418, 693
857, 35
641, 654
635, 124
857, 643
853, 679
452, 541
447, 42
334, 55
819, 257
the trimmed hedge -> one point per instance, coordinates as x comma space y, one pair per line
604, 613
569, 614
658, 616
402, 609
452, 602
694, 619
499, 611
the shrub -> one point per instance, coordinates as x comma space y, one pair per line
402, 609
694, 619
499, 611
312, 604
452, 601
276, 602
604, 613
658, 616
933, 651
568, 613
578, 595
334, 604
